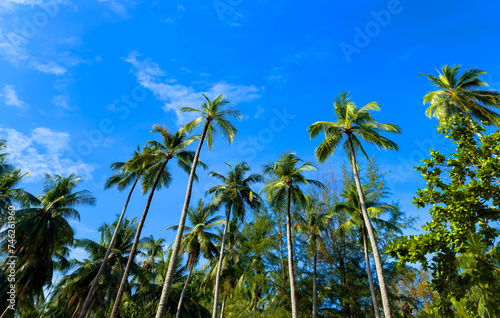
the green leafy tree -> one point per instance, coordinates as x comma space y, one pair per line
213, 115
463, 193
235, 195
156, 157
355, 123
285, 191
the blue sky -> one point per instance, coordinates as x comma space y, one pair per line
82, 82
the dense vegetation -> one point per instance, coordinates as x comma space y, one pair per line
312, 243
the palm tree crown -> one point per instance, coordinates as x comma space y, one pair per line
354, 123
215, 114
462, 94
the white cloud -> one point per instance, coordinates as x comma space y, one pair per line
260, 111
175, 96
62, 101
49, 68
43, 151
120, 7
11, 98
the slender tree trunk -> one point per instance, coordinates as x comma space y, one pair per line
131, 257
370, 277
293, 292
223, 306
167, 285
85, 307
282, 257
219, 267
179, 306
369, 229
315, 288
256, 298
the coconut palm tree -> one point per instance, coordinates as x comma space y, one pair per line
289, 177
44, 235
153, 249
10, 178
121, 178
352, 207
156, 157
213, 115
355, 123
72, 288
462, 94
235, 195
199, 241
233, 255
312, 226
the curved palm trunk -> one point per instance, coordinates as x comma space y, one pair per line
219, 266
293, 293
167, 285
179, 306
315, 288
370, 277
131, 257
86, 304
223, 306
369, 229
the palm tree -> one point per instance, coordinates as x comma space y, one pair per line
72, 288
312, 226
352, 207
462, 95
121, 178
153, 250
356, 122
232, 258
289, 178
44, 235
155, 157
198, 241
235, 194
10, 177
213, 114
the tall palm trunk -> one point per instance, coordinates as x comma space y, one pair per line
167, 285
293, 292
85, 307
370, 277
369, 229
223, 306
315, 287
256, 298
131, 257
190, 267
219, 266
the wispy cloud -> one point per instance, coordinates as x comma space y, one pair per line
43, 152
120, 7
11, 99
49, 68
175, 96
